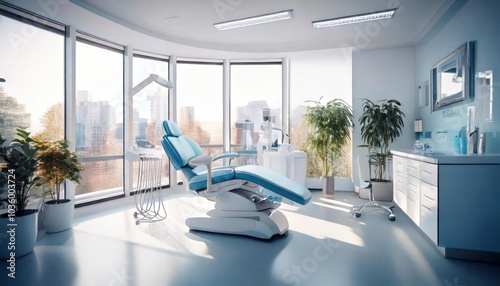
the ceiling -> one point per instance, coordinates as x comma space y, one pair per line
190, 22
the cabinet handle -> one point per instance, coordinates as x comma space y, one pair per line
432, 199
427, 208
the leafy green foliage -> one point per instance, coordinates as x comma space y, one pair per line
57, 163
18, 166
330, 130
381, 123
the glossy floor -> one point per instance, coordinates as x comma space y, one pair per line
324, 246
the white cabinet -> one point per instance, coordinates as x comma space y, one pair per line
290, 164
429, 200
415, 189
406, 182
453, 199
399, 181
429, 211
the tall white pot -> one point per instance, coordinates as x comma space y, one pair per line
58, 217
18, 236
328, 183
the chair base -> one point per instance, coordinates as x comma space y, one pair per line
263, 224
356, 210
244, 211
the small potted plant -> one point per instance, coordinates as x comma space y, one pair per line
18, 165
381, 123
330, 131
57, 163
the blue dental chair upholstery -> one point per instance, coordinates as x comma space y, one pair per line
240, 206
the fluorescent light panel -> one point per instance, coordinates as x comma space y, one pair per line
379, 15
261, 19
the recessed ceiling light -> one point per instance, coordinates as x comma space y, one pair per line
250, 21
379, 15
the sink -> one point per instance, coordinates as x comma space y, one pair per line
434, 153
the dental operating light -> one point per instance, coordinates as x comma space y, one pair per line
152, 77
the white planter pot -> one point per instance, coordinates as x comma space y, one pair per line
18, 236
58, 217
382, 191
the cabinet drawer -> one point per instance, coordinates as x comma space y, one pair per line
399, 165
400, 186
428, 191
429, 223
413, 211
413, 184
429, 204
413, 196
400, 200
428, 173
413, 168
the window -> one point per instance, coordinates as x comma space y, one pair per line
199, 101
32, 63
99, 118
254, 87
150, 108
320, 75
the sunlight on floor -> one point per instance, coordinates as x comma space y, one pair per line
170, 234
321, 229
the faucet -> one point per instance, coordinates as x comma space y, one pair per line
427, 148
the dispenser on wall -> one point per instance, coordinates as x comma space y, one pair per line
472, 132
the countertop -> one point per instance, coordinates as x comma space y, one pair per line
448, 158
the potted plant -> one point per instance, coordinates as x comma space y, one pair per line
19, 225
57, 163
330, 131
381, 123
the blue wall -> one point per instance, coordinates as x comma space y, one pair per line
478, 21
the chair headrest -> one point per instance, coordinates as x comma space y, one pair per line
171, 128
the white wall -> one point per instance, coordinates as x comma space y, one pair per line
387, 73
314, 74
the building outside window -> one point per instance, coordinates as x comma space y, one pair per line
255, 87
150, 108
200, 103
99, 118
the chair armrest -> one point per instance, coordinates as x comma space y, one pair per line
231, 155
200, 160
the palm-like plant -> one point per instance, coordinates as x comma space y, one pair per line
331, 126
381, 123
57, 163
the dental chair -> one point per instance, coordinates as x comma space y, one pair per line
240, 206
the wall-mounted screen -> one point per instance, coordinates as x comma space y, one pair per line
451, 77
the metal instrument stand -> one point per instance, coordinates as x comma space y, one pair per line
148, 199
